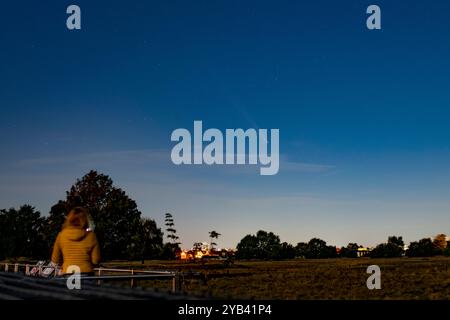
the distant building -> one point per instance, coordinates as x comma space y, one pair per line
363, 252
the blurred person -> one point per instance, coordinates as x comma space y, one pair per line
76, 244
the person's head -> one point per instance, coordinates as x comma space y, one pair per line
77, 218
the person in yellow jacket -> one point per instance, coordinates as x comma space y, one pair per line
75, 245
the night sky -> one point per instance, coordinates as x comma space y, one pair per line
363, 115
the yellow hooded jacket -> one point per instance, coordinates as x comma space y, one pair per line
75, 246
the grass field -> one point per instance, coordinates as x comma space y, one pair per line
401, 278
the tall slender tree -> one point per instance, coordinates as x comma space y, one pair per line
170, 229
172, 247
213, 235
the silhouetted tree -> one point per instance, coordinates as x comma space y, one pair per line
397, 241
263, 245
53, 223
150, 239
422, 248
116, 216
21, 233
173, 246
213, 235
248, 248
447, 250
170, 229
393, 248
301, 250
351, 251
440, 243
318, 249
285, 251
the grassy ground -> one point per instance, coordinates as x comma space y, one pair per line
403, 278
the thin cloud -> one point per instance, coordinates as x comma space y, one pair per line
291, 166
128, 156
160, 158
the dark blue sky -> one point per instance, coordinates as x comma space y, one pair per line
363, 115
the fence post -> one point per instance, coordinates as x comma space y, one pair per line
27, 269
132, 280
16, 268
58, 271
176, 284
6, 267
99, 282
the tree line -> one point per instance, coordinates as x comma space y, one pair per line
267, 245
